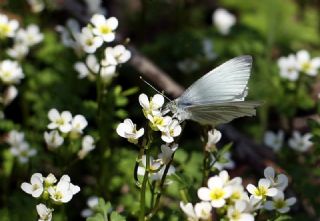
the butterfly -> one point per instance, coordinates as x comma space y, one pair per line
218, 96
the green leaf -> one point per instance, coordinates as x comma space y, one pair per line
116, 217
97, 217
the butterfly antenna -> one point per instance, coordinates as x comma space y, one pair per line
150, 85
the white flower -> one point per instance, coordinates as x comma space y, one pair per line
151, 107
53, 139
61, 121
63, 191
300, 142
10, 72
279, 203
223, 20
78, 123
107, 73
36, 5
156, 169
159, 123
29, 36
15, 138
94, 6
237, 212
214, 137
35, 187
91, 66
201, 210
23, 152
18, 51
288, 67
226, 161
188, 65
273, 140
116, 55
10, 94
92, 202
128, 130
104, 27
70, 35
280, 182
167, 152
252, 204
87, 146
7, 27
306, 64
45, 213
217, 193
50, 180
173, 130
263, 190
88, 41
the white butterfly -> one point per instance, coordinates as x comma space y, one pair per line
218, 96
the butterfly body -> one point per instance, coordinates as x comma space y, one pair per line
218, 96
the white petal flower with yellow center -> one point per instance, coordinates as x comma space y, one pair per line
29, 36
61, 121
7, 27
88, 41
53, 139
104, 27
10, 72
63, 191
35, 187
223, 20
299, 142
216, 192
50, 180
288, 67
128, 130
263, 190
172, 130
306, 64
152, 106
279, 203
280, 181
158, 122
237, 212
167, 152
45, 213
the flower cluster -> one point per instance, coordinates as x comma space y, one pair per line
63, 125
300, 63
49, 189
297, 141
19, 147
229, 198
10, 70
169, 128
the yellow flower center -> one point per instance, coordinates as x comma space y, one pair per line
279, 204
306, 66
35, 187
60, 121
236, 215
235, 195
89, 42
261, 191
4, 29
104, 29
217, 194
58, 195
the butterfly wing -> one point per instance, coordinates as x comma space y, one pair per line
214, 114
227, 82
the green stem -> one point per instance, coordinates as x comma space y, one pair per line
143, 188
